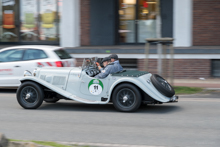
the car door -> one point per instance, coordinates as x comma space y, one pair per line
31, 59
94, 89
10, 67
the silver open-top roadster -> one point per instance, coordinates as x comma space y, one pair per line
126, 89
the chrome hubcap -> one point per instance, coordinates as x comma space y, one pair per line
28, 96
125, 98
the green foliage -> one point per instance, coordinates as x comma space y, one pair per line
53, 144
46, 143
187, 90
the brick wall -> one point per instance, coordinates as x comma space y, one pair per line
85, 22
152, 68
183, 68
206, 22
79, 62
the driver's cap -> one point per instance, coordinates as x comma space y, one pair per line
113, 56
105, 59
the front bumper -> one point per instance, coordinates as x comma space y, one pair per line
174, 99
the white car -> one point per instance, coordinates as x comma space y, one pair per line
126, 89
15, 60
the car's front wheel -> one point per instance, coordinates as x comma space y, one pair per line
30, 95
126, 97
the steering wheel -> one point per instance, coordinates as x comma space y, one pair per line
92, 72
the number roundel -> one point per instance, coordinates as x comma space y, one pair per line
95, 87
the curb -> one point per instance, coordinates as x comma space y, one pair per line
211, 88
103, 144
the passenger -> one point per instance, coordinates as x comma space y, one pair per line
117, 65
106, 70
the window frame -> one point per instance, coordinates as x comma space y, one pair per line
212, 68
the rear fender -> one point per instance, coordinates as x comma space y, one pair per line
147, 88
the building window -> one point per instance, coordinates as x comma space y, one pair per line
48, 25
137, 20
38, 20
216, 68
9, 21
29, 20
129, 64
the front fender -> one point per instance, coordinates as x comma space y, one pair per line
48, 85
59, 90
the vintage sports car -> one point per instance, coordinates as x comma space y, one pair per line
126, 90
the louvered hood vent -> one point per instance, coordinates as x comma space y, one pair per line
59, 80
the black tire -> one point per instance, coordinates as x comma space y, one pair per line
162, 85
126, 97
52, 100
30, 95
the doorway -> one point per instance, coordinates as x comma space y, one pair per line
137, 20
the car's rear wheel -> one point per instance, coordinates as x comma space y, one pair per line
30, 95
162, 85
126, 97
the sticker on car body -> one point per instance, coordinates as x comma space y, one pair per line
6, 72
95, 86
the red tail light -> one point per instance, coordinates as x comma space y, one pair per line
59, 64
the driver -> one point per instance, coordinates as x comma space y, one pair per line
106, 70
117, 65
104, 59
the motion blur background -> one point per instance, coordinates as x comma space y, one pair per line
100, 27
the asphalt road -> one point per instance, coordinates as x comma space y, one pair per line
193, 121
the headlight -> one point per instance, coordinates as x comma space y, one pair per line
27, 73
34, 72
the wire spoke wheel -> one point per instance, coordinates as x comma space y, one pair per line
30, 95
126, 97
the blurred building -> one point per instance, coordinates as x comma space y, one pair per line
30, 21
116, 24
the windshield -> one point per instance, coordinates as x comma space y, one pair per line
89, 62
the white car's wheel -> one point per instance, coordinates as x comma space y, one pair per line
30, 95
126, 97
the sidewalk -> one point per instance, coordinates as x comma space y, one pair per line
206, 83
